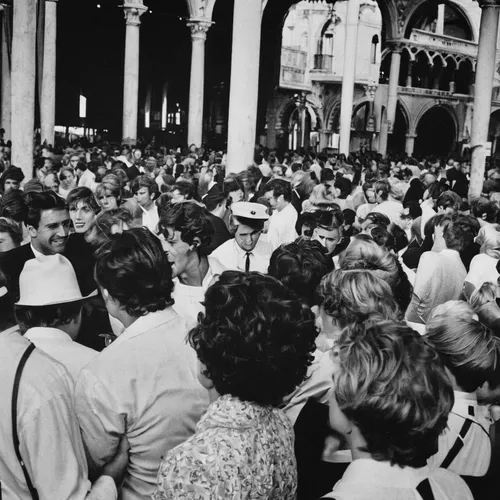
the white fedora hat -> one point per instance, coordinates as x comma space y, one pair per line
49, 280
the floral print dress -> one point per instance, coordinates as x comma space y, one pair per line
240, 450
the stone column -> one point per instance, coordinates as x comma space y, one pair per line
485, 70
440, 20
324, 139
199, 28
243, 96
349, 75
48, 100
453, 75
5, 119
410, 143
409, 76
392, 99
133, 9
23, 84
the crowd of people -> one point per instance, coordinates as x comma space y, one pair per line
314, 326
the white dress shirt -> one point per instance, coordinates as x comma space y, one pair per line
282, 227
368, 479
234, 257
50, 440
143, 385
151, 218
60, 346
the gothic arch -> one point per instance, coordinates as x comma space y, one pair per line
430, 105
331, 114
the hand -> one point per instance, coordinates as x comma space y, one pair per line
117, 467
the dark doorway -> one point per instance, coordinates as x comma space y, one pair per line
435, 133
397, 140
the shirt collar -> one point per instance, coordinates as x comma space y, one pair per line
36, 252
383, 473
42, 332
146, 323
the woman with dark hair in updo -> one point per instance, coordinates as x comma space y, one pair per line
254, 345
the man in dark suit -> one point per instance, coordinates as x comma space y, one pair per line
48, 224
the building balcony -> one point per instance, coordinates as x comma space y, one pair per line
420, 39
323, 62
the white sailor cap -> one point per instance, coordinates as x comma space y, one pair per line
249, 210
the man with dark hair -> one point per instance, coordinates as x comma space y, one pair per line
144, 384
11, 179
182, 191
246, 252
186, 233
145, 192
48, 223
329, 232
86, 178
282, 224
215, 202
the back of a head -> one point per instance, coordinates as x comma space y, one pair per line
392, 385
13, 205
255, 338
367, 254
300, 266
467, 348
449, 201
356, 296
135, 271
458, 232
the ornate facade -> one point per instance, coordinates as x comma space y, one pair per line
437, 55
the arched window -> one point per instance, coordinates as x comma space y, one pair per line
373, 53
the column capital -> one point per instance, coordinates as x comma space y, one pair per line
370, 90
396, 45
199, 28
133, 10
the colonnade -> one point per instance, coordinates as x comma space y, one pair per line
247, 20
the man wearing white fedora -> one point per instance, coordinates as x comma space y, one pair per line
49, 310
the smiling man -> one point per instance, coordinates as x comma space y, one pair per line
48, 224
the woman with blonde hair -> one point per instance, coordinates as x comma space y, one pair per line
483, 266
350, 296
109, 192
470, 354
320, 199
364, 253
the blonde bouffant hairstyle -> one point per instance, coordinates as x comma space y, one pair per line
468, 349
356, 295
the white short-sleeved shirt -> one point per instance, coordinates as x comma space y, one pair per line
474, 457
368, 479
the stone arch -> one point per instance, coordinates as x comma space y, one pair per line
413, 7
430, 105
331, 114
426, 53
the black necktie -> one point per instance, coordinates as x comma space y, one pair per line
247, 263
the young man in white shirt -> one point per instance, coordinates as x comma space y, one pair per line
246, 251
282, 223
145, 383
145, 192
49, 311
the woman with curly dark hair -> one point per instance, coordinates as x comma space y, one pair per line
254, 345
144, 384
